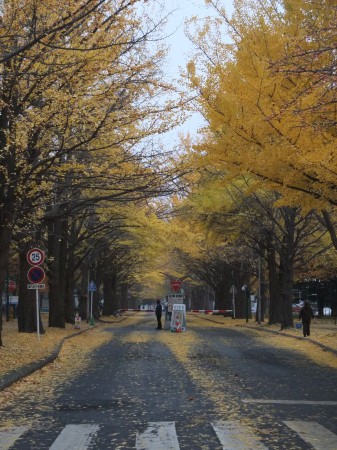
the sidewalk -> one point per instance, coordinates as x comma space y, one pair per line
23, 353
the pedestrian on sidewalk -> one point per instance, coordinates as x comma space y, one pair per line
159, 310
306, 314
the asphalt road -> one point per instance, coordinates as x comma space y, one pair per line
230, 392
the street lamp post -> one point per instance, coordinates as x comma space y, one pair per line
75, 298
233, 291
259, 299
246, 293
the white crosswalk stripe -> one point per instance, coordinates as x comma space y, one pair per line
9, 435
314, 434
158, 436
232, 435
75, 437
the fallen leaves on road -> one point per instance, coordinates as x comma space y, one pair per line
22, 348
72, 359
322, 331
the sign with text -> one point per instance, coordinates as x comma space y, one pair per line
36, 286
173, 301
178, 319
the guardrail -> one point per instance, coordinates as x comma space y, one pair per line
212, 311
199, 311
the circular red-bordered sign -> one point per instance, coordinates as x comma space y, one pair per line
35, 275
11, 285
35, 257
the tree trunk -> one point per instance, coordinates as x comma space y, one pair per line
124, 295
56, 296
5, 242
83, 293
221, 297
109, 287
70, 289
286, 283
199, 296
274, 287
65, 274
263, 300
287, 255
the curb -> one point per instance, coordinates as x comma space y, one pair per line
13, 376
106, 322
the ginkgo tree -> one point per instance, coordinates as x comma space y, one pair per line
76, 101
268, 99
233, 216
264, 118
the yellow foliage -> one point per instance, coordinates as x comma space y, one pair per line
79, 99
264, 120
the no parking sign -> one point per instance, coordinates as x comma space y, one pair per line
35, 275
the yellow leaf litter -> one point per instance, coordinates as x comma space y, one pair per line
21, 348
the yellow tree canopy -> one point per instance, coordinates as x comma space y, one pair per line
77, 103
261, 120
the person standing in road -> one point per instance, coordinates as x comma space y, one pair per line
159, 310
306, 314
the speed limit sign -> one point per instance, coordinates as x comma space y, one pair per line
35, 257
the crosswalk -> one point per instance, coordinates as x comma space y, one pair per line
232, 435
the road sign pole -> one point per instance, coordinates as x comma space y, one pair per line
91, 288
36, 275
259, 309
7, 299
88, 297
37, 314
233, 303
91, 302
233, 291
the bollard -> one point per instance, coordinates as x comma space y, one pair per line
77, 321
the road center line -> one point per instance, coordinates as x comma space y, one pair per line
289, 402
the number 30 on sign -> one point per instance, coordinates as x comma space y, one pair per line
35, 257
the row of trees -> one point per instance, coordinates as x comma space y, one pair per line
264, 180
258, 198
82, 94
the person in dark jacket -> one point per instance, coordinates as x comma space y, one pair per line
306, 314
159, 310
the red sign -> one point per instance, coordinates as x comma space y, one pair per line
176, 285
35, 275
35, 257
11, 285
